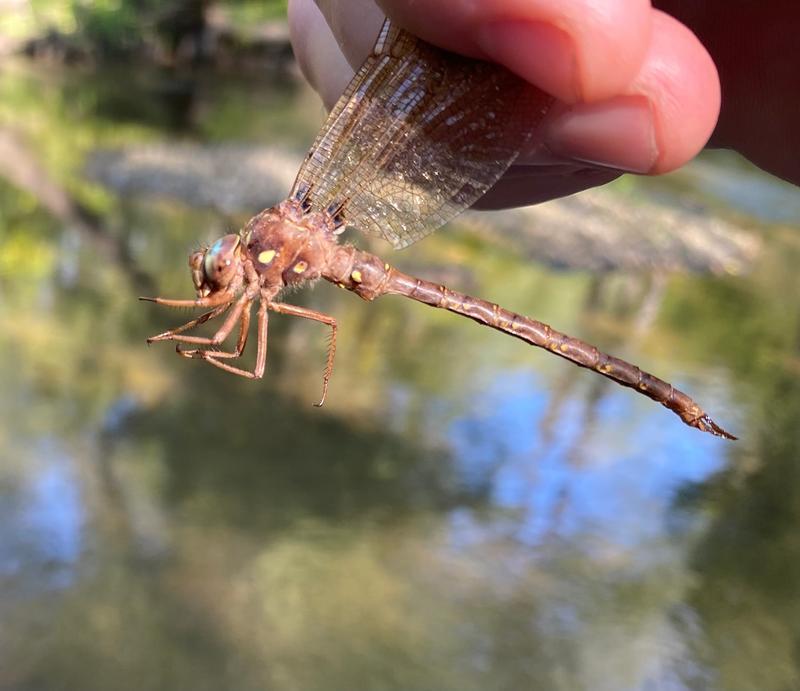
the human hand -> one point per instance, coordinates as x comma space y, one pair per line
637, 90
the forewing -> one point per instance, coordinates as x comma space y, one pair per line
418, 136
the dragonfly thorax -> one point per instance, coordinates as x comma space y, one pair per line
287, 246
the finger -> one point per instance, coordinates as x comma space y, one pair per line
573, 49
577, 50
660, 122
354, 23
318, 55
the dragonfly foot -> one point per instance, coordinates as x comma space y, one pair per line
193, 354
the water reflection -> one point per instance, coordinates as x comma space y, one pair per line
43, 515
465, 513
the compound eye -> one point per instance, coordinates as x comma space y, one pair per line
219, 263
196, 260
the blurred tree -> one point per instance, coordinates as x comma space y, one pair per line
112, 28
178, 23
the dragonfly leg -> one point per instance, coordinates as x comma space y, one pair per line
220, 298
294, 310
202, 319
241, 341
222, 333
261, 356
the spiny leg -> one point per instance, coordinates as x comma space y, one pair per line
261, 354
222, 333
294, 310
241, 341
202, 319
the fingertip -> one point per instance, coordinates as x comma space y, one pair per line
681, 81
659, 123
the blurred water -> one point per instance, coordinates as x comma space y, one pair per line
464, 513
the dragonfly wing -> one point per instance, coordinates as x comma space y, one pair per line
418, 136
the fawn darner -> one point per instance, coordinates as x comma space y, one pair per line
418, 136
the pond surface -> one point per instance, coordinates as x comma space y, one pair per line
465, 513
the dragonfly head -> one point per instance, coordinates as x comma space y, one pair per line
215, 268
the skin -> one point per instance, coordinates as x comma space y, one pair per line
638, 86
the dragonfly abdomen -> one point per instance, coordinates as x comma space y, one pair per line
544, 336
365, 274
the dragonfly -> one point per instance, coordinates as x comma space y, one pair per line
418, 136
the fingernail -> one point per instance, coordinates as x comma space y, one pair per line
618, 133
540, 53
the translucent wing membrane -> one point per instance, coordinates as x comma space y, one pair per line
418, 135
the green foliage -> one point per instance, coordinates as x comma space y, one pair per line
52, 14
248, 12
111, 26
114, 27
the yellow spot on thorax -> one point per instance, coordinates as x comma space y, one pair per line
266, 256
356, 276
